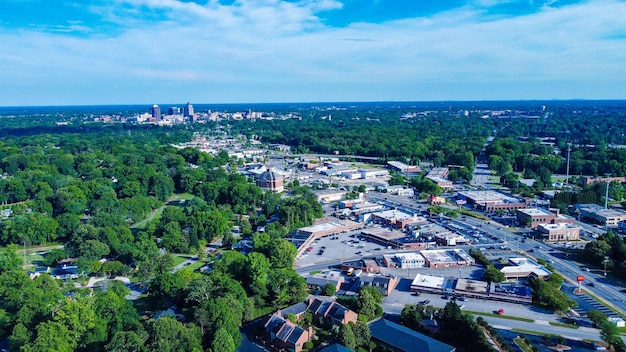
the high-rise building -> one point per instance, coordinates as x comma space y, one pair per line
188, 110
173, 111
155, 111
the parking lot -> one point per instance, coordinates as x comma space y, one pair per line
403, 296
339, 248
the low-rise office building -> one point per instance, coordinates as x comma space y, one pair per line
559, 232
491, 201
409, 260
447, 258
597, 214
523, 268
395, 239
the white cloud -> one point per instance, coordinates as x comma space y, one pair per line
277, 43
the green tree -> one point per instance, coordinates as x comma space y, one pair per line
223, 341
597, 317
492, 274
52, 336
127, 341
329, 290
347, 337
168, 335
369, 300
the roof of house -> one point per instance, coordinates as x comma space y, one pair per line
336, 348
405, 339
319, 281
296, 309
337, 311
327, 308
283, 329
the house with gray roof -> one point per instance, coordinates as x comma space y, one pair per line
328, 311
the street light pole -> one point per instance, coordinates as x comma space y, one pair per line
605, 261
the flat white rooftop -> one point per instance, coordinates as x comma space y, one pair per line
534, 211
489, 197
561, 226
394, 215
428, 281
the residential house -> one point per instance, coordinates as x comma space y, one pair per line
319, 281
384, 284
285, 335
328, 311
297, 309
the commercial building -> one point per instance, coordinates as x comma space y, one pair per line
523, 268
365, 265
401, 191
155, 112
590, 180
559, 232
329, 195
599, 215
395, 239
372, 173
447, 258
441, 182
539, 216
270, 181
450, 239
403, 168
404, 260
396, 218
441, 172
505, 292
189, 112
490, 201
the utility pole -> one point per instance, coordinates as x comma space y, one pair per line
606, 197
569, 149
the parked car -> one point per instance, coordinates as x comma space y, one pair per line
425, 302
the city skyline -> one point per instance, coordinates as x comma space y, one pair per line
142, 51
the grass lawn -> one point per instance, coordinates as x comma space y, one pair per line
522, 344
464, 211
500, 316
156, 214
33, 260
178, 259
563, 325
197, 265
259, 312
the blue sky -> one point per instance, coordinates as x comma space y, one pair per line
81, 52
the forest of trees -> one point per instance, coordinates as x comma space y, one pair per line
85, 188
